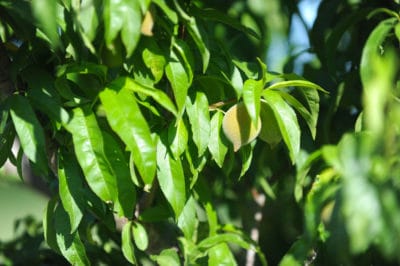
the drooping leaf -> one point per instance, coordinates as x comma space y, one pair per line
178, 137
246, 154
221, 255
125, 118
217, 144
125, 198
170, 177
124, 17
199, 118
187, 220
295, 83
45, 13
89, 149
70, 244
251, 97
287, 122
270, 131
140, 236
71, 188
29, 131
49, 231
7, 135
154, 59
128, 249
167, 257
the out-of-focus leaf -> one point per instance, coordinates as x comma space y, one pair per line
246, 154
199, 118
167, 257
178, 137
100, 71
70, 188
215, 15
287, 122
171, 14
125, 118
7, 135
217, 144
125, 198
128, 249
49, 231
295, 83
89, 149
187, 220
29, 131
270, 131
124, 17
170, 177
251, 97
70, 244
221, 255
45, 12
180, 78
88, 17
140, 236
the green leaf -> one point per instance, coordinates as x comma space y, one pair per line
287, 122
70, 244
171, 14
218, 144
170, 177
128, 249
7, 136
295, 83
71, 188
180, 78
124, 17
86, 14
153, 58
125, 118
158, 95
125, 198
178, 137
270, 131
49, 231
199, 118
29, 131
246, 154
140, 236
251, 97
45, 13
216, 15
85, 68
187, 220
167, 257
89, 149
221, 255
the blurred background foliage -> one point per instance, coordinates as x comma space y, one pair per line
339, 204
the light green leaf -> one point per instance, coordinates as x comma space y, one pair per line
180, 78
221, 255
251, 97
295, 83
199, 118
45, 12
125, 17
270, 131
29, 131
218, 144
88, 18
171, 14
125, 118
140, 236
128, 248
89, 149
287, 122
71, 188
153, 58
167, 257
70, 244
178, 137
187, 220
125, 197
170, 177
246, 154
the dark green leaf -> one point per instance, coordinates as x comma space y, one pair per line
126, 119
45, 12
49, 231
7, 135
29, 131
71, 188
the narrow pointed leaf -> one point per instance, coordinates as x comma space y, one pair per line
49, 231
45, 13
89, 149
71, 188
295, 83
29, 131
128, 249
287, 122
251, 97
218, 144
171, 177
199, 118
125, 118
187, 220
178, 138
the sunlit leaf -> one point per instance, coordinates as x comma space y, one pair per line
217, 144
251, 97
140, 236
128, 249
187, 220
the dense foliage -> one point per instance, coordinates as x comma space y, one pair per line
122, 108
